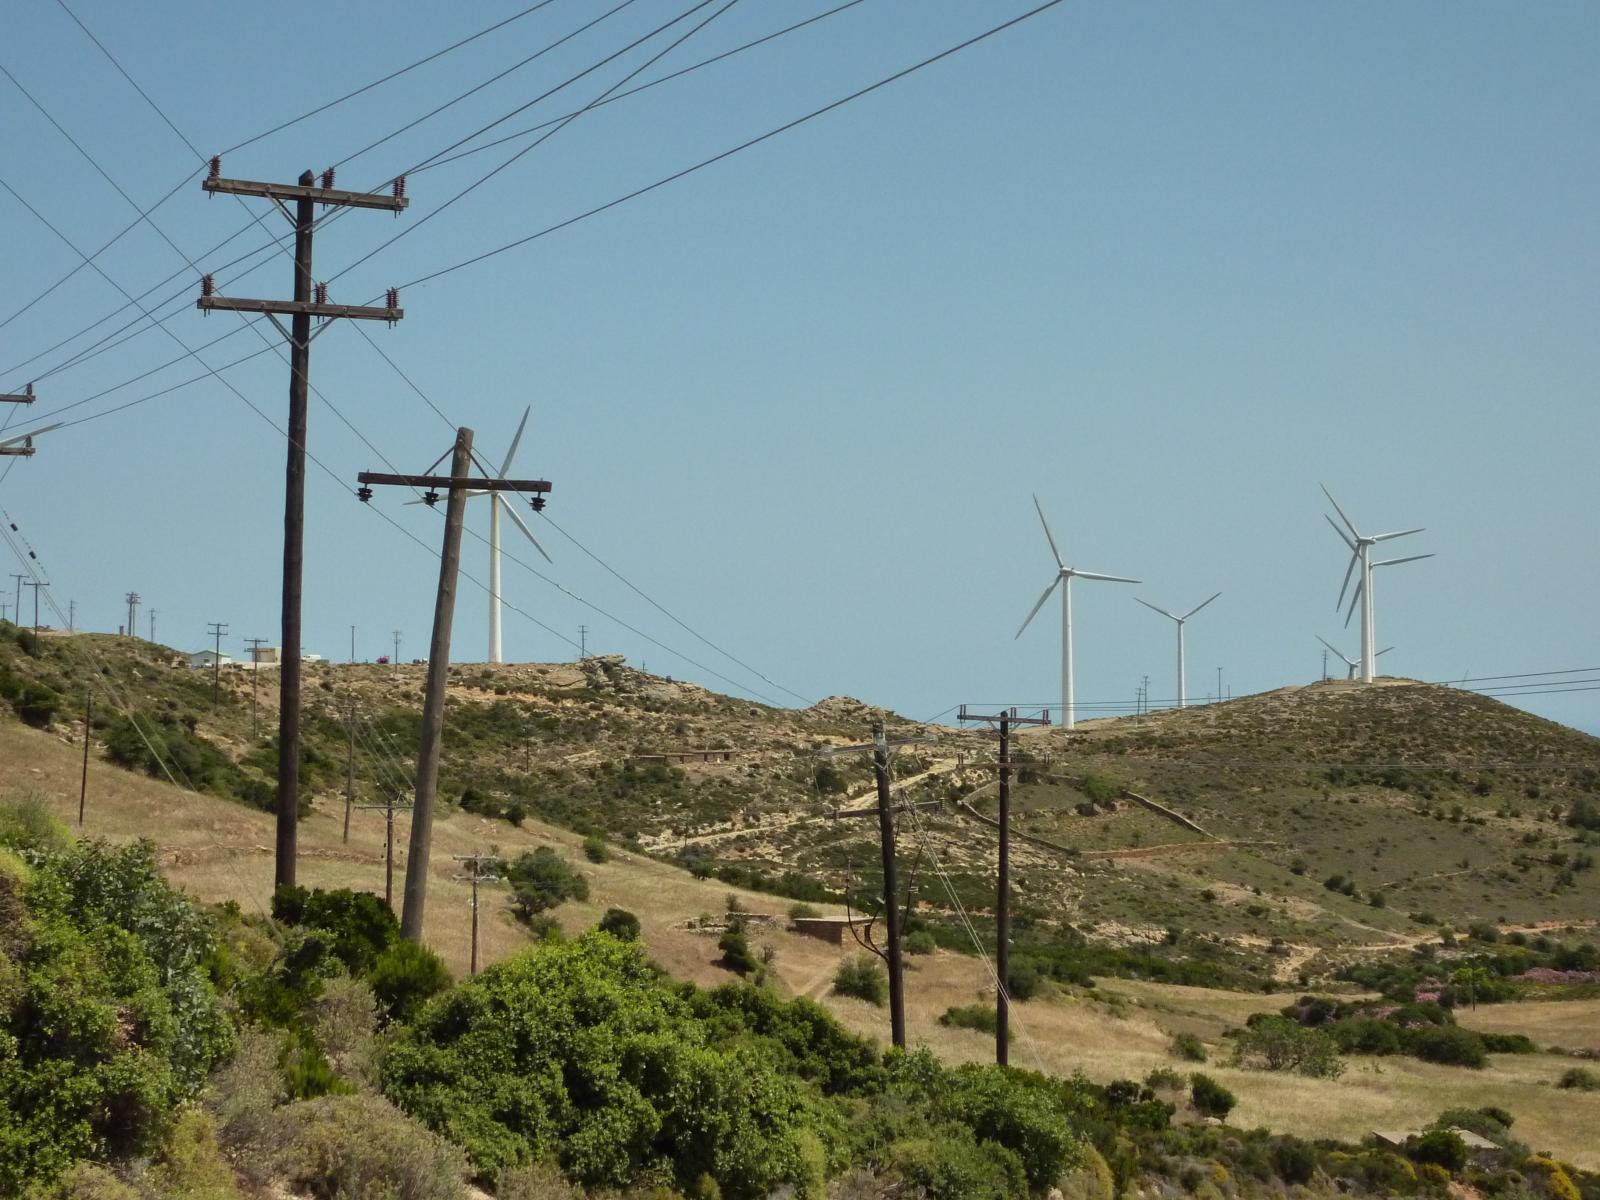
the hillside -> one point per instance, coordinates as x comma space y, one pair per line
1419, 805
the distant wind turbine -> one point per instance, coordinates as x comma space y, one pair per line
497, 503
1350, 662
1361, 553
1180, 620
1064, 577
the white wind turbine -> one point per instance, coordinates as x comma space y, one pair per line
497, 503
1361, 552
1180, 621
1350, 662
1064, 577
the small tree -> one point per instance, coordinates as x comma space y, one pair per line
595, 848
736, 954
1438, 1146
1210, 1097
542, 879
1279, 1044
862, 978
620, 924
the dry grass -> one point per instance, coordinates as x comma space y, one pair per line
1570, 1024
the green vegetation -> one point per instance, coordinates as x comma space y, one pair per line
1210, 1097
541, 879
981, 1017
863, 978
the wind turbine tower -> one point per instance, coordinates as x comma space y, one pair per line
1180, 620
1361, 555
1064, 577
1351, 663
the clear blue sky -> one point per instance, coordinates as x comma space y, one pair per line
1167, 265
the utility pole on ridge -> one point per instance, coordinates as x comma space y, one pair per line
458, 484
1002, 903
255, 670
310, 300
216, 629
153, 624
349, 768
36, 585
388, 806
133, 612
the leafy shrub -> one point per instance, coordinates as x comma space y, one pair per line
27, 823
1188, 1047
736, 953
1274, 1043
579, 1052
360, 1147
620, 924
1018, 1110
1022, 980
1294, 1160
541, 879
537, 1181
919, 942
801, 912
863, 978
1438, 1146
359, 926
405, 976
1580, 1078
1451, 1045
981, 1017
1209, 1097
954, 1169
595, 849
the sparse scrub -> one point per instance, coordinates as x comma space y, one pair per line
862, 978
971, 1016
1209, 1097
1188, 1047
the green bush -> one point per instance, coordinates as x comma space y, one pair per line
1188, 1047
1209, 1097
920, 942
802, 911
863, 978
981, 1017
595, 849
1294, 1160
1579, 1078
541, 879
1022, 980
1451, 1045
1438, 1146
359, 926
360, 1147
579, 1052
954, 1169
405, 976
736, 953
620, 924
1274, 1043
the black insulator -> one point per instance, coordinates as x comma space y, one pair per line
322, 293
538, 503
327, 178
430, 498
216, 167
399, 187
208, 285
363, 493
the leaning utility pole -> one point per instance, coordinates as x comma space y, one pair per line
458, 483
310, 300
16, 603
884, 811
388, 806
255, 671
216, 629
1002, 903
36, 585
349, 768
133, 611
476, 862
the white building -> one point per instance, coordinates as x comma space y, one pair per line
208, 659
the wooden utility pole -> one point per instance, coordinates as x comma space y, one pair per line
88, 730
395, 661
310, 300
1002, 902
36, 585
476, 862
255, 645
216, 629
133, 611
16, 603
891, 891
458, 483
349, 768
153, 612
389, 807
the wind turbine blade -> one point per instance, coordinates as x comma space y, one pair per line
32, 433
1034, 611
526, 532
1050, 537
1382, 652
1106, 578
470, 495
1354, 532
512, 453
1198, 607
1355, 598
1354, 556
1154, 608
1349, 662
1384, 537
1340, 532
1389, 562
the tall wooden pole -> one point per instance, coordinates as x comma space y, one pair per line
891, 890
416, 891
349, 768
294, 536
1002, 902
88, 727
